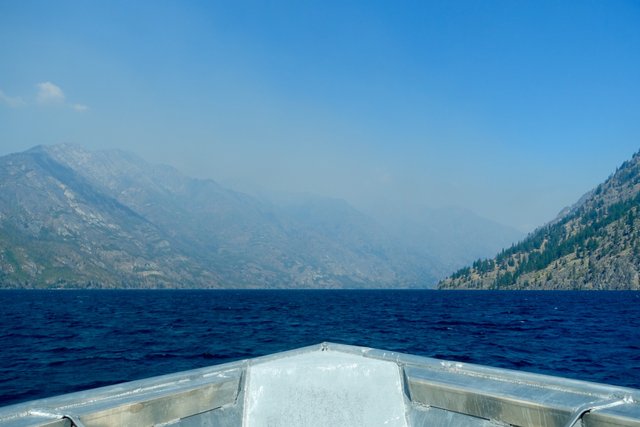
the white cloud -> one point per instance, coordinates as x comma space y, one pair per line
48, 93
11, 101
80, 107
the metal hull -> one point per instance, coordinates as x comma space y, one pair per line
337, 385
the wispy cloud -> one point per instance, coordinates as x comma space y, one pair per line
11, 101
49, 93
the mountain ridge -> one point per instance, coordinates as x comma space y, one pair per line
594, 244
75, 218
70, 217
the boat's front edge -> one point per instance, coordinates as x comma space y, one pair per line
430, 392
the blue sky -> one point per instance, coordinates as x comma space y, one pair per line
511, 109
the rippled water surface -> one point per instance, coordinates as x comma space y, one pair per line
54, 342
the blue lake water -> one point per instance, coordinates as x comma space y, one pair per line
54, 342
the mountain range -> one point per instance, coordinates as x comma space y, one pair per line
70, 217
595, 244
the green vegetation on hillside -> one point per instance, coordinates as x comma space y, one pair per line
595, 246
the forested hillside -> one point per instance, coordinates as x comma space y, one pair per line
593, 245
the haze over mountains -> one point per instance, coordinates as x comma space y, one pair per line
74, 218
595, 244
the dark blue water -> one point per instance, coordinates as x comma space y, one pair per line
54, 342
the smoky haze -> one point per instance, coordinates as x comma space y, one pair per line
511, 111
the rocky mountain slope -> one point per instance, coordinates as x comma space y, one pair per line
70, 217
595, 244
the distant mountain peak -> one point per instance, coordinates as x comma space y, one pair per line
80, 218
75, 217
